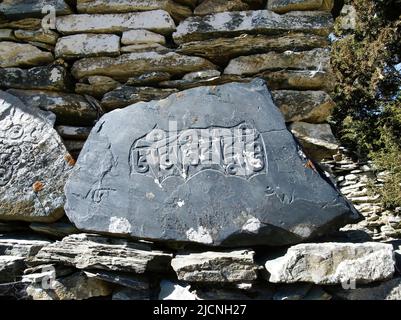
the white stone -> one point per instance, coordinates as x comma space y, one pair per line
141, 37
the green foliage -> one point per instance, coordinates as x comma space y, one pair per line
368, 114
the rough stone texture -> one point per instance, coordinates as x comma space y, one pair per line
261, 21
49, 37
7, 34
157, 21
71, 109
389, 290
149, 78
21, 245
317, 139
97, 86
24, 24
221, 50
147, 47
176, 10
132, 64
333, 263
316, 60
141, 37
87, 45
11, 268
18, 9
215, 6
309, 106
22, 55
206, 267
127, 95
124, 192
51, 77
74, 133
183, 84
175, 291
57, 229
86, 251
34, 163
283, 6
78, 286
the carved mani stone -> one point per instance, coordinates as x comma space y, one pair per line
33, 163
213, 165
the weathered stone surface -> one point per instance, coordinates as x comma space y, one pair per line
33, 164
333, 263
24, 246
127, 95
283, 6
141, 37
215, 6
24, 24
317, 60
49, 37
158, 21
183, 84
201, 75
51, 77
87, 45
97, 86
70, 109
317, 139
86, 251
234, 266
73, 133
22, 54
299, 79
133, 64
11, 268
389, 290
79, 286
214, 204
260, 21
308, 106
176, 10
59, 229
7, 34
128, 294
149, 78
17, 9
148, 47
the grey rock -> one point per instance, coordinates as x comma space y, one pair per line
24, 24
308, 106
183, 84
97, 86
260, 21
59, 229
73, 133
22, 55
7, 34
70, 109
86, 251
33, 164
14, 290
11, 268
145, 47
18, 9
221, 50
333, 263
158, 21
283, 6
79, 286
140, 36
388, 290
220, 203
149, 78
48, 36
201, 75
128, 294
212, 267
21, 245
137, 282
127, 95
134, 64
87, 45
176, 10
51, 77
214, 6
317, 139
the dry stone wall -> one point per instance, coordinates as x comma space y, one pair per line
75, 61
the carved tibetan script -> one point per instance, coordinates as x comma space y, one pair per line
236, 151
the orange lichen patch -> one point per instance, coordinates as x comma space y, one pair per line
69, 159
309, 164
37, 186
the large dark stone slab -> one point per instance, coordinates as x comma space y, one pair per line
262, 192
